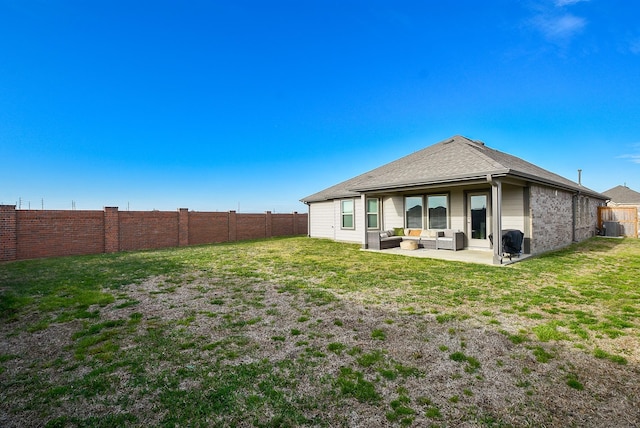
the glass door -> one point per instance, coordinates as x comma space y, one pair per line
478, 220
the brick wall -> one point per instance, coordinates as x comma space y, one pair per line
111, 230
250, 226
286, 222
8, 243
26, 234
148, 230
205, 228
49, 233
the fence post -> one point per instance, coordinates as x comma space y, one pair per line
268, 224
111, 230
233, 222
8, 233
183, 227
295, 223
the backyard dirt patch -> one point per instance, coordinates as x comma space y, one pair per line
330, 361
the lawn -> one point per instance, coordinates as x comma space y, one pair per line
308, 332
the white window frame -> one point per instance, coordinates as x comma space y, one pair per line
372, 213
344, 214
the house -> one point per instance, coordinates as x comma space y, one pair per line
624, 197
464, 185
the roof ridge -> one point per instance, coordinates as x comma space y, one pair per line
481, 148
623, 194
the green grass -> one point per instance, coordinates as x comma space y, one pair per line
573, 382
378, 334
554, 282
336, 347
352, 383
472, 363
599, 353
585, 297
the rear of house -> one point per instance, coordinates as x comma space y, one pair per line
463, 185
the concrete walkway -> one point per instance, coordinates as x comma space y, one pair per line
484, 257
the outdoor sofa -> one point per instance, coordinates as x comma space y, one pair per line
429, 239
382, 240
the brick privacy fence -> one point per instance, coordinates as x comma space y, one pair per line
29, 234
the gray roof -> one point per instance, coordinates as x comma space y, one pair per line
452, 160
623, 195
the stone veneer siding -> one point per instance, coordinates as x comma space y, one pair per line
586, 217
551, 219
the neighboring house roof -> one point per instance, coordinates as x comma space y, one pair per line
623, 195
452, 160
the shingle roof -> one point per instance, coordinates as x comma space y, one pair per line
623, 195
454, 159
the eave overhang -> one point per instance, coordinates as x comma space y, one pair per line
475, 178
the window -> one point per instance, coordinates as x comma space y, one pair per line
372, 214
413, 212
582, 211
437, 211
346, 210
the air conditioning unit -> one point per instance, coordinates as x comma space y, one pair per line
611, 228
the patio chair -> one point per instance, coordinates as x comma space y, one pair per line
452, 240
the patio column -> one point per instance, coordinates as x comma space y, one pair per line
496, 219
363, 207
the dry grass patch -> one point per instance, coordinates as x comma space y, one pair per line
286, 333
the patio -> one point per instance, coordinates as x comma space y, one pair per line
467, 256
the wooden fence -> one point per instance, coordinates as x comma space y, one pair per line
626, 216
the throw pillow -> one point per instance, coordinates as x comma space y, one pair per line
415, 232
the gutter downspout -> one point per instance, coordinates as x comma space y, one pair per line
308, 219
365, 237
496, 218
576, 201
574, 220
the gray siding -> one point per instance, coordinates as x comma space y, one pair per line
392, 212
512, 208
321, 220
349, 235
457, 213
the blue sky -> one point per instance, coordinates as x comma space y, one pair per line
252, 105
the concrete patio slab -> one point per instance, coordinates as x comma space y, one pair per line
484, 257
